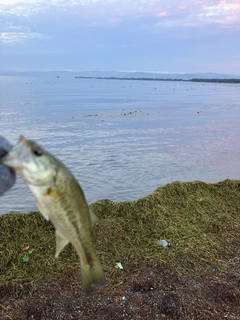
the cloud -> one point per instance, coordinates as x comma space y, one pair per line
222, 14
10, 37
26, 8
161, 14
12, 33
23, 20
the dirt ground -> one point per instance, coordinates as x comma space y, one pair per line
151, 292
197, 277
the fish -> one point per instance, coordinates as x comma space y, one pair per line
61, 200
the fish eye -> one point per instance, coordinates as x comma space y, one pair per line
37, 151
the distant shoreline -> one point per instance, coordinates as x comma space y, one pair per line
233, 80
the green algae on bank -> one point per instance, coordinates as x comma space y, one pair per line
200, 220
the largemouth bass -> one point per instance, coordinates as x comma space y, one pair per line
61, 200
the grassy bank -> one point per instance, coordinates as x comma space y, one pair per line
201, 221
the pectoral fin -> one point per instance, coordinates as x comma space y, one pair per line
60, 243
94, 217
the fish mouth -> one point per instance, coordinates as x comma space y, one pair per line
14, 159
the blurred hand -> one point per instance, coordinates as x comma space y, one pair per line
7, 176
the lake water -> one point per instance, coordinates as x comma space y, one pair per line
124, 138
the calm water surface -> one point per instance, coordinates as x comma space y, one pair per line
123, 139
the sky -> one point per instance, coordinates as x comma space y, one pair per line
121, 35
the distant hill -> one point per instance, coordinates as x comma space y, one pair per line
120, 74
71, 74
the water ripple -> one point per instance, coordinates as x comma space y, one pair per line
124, 139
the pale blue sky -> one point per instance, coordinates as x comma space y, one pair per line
120, 35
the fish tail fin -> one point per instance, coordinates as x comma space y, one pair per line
92, 275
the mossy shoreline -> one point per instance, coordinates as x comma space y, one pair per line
200, 220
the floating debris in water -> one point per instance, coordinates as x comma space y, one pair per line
163, 243
118, 265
